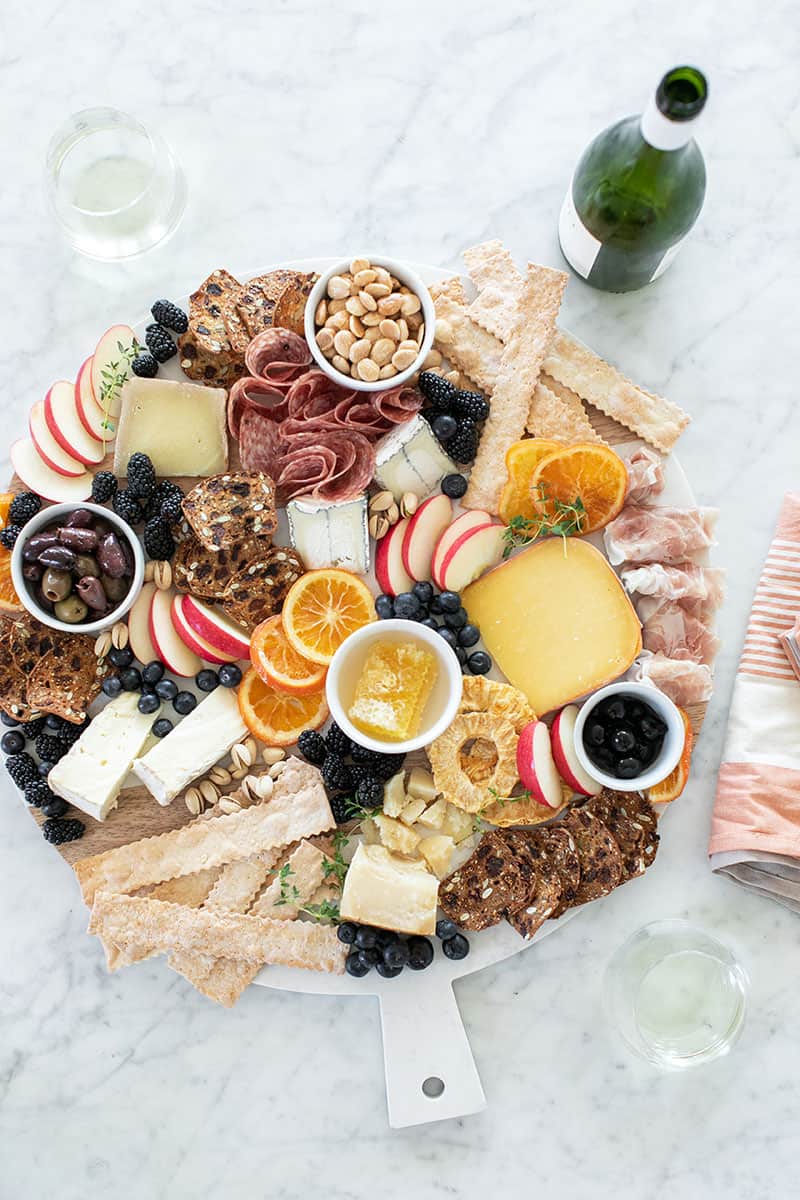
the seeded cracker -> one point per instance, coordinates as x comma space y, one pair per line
600, 856
631, 820
258, 298
290, 310
516, 382
206, 573
494, 878
259, 589
67, 679
212, 349
226, 509
557, 413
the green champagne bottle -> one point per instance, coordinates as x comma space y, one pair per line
637, 190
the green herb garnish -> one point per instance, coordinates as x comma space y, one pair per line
113, 377
559, 520
525, 794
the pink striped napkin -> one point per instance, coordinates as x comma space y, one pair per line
755, 830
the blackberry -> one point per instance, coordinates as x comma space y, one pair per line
463, 446
384, 766
340, 807
438, 391
141, 476
472, 405
312, 747
335, 773
171, 509
158, 540
126, 505
9, 535
104, 485
37, 793
454, 486
50, 747
22, 769
369, 793
337, 741
144, 365
167, 313
360, 771
57, 831
24, 506
360, 754
159, 343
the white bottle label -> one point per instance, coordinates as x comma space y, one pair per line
667, 259
580, 247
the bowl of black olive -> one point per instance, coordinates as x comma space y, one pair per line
77, 567
629, 736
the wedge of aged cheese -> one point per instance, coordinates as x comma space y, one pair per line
438, 853
390, 892
90, 776
410, 459
330, 534
394, 795
181, 426
395, 835
197, 744
556, 620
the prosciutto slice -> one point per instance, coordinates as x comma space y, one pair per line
664, 535
678, 634
679, 581
645, 474
685, 682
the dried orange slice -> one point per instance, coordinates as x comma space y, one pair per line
276, 717
671, 787
587, 471
522, 458
322, 609
278, 663
9, 600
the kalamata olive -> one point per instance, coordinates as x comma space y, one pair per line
115, 589
128, 553
110, 556
102, 526
85, 564
72, 610
33, 571
38, 542
57, 556
91, 592
56, 584
42, 600
81, 518
84, 540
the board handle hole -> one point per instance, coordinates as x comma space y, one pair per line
433, 1087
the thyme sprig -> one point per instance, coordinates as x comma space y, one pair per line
525, 794
557, 518
113, 377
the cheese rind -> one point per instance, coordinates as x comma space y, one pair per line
91, 774
327, 534
556, 620
410, 459
381, 889
181, 426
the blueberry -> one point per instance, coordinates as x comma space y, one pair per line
55, 807
407, 606
446, 929
455, 947
479, 662
384, 607
230, 676
149, 703
445, 427
148, 689
594, 733
347, 932
131, 679
468, 635
53, 724
10, 721
207, 680
354, 966
45, 768
448, 636
366, 937
153, 672
166, 689
370, 957
12, 742
461, 655
420, 953
386, 971
120, 658
184, 702
161, 727
386, 937
628, 768
450, 602
396, 955
112, 686
457, 619
430, 622
454, 486
622, 739
435, 606
423, 591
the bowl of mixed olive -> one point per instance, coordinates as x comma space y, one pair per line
77, 567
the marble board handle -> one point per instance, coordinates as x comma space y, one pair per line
430, 1072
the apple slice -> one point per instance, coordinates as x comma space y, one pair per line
214, 627
139, 625
470, 555
390, 573
535, 766
193, 639
466, 520
169, 646
562, 740
39, 478
52, 454
62, 419
424, 530
111, 357
94, 421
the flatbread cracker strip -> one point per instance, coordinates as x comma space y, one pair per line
557, 413
494, 273
304, 876
516, 382
463, 343
298, 808
652, 417
172, 927
452, 287
240, 882
220, 979
190, 890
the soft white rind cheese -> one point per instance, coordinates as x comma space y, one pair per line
90, 776
327, 534
410, 459
390, 892
197, 744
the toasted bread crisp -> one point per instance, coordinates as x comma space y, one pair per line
600, 856
291, 306
67, 679
495, 878
260, 587
212, 349
632, 821
226, 509
557, 413
258, 297
206, 573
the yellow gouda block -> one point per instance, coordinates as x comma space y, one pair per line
556, 620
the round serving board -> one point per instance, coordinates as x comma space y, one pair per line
430, 1071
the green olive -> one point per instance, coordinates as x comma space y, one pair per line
72, 610
115, 589
86, 565
56, 584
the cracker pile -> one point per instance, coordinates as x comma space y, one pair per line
44, 670
249, 580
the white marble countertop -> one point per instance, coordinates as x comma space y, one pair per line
422, 128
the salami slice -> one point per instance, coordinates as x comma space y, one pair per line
397, 404
361, 416
277, 355
260, 442
327, 465
256, 394
314, 395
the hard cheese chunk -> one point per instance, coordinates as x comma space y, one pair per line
410, 459
193, 747
181, 426
392, 893
393, 689
556, 620
327, 534
90, 776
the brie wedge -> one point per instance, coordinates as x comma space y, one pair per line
410, 459
327, 534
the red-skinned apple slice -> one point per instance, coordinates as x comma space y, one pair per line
110, 357
139, 625
193, 639
466, 520
562, 741
424, 530
470, 555
535, 766
390, 573
63, 421
170, 647
214, 627
52, 455
94, 421
37, 476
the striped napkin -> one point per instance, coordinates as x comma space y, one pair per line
755, 830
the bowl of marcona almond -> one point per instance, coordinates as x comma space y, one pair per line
369, 323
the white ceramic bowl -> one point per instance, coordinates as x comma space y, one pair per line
51, 515
406, 276
671, 749
345, 669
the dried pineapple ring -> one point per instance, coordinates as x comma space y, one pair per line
448, 774
501, 699
478, 761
